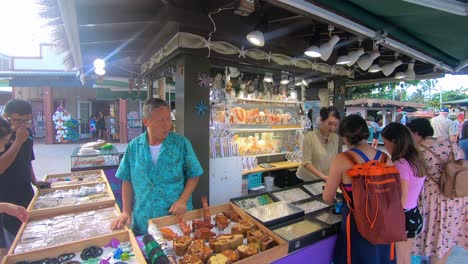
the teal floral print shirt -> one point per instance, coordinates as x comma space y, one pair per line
157, 186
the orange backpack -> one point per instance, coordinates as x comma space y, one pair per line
376, 204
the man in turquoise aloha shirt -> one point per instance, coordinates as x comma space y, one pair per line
159, 171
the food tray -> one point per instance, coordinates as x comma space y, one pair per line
75, 178
312, 205
303, 232
247, 202
266, 256
79, 246
275, 213
328, 217
315, 188
291, 195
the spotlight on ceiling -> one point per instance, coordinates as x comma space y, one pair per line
268, 77
342, 60
410, 74
234, 72
366, 61
305, 82
284, 78
374, 68
388, 68
313, 51
257, 38
298, 81
400, 75
100, 71
353, 56
327, 48
99, 64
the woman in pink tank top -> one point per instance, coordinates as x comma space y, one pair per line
409, 160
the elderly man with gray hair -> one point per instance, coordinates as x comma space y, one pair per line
443, 127
159, 171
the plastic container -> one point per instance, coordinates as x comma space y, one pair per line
255, 179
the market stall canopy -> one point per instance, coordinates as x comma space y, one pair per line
462, 102
412, 40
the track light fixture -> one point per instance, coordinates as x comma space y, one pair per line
366, 61
257, 37
353, 56
388, 68
410, 74
375, 68
342, 60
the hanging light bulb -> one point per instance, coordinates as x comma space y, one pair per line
257, 38
353, 56
374, 68
388, 68
284, 79
366, 61
268, 77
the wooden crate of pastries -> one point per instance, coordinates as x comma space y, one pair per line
233, 245
88, 177
103, 199
79, 246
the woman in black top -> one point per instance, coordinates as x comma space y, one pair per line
100, 125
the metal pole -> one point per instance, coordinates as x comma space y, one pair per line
440, 97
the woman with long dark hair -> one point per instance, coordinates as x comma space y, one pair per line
410, 162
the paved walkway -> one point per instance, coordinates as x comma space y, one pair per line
55, 158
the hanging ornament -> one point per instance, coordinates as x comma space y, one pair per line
201, 108
204, 80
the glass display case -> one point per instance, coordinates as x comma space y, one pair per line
102, 158
260, 127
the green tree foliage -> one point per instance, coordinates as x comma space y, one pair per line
458, 94
389, 91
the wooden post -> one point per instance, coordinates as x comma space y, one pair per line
149, 83
339, 96
162, 88
123, 120
48, 112
190, 123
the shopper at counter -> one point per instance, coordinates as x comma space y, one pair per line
159, 171
410, 162
355, 132
16, 172
319, 146
446, 219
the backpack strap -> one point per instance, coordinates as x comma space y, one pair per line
439, 158
349, 157
360, 153
378, 154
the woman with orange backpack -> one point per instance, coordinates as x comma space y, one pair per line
410, 162
369, 225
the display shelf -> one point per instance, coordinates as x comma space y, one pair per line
78, 246
264, 128
102, 158
282, 165
233, 99
267, 256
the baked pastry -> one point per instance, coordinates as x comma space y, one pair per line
225, 242
218, 259
242, 227
167, 233
190, 259
181, 244
199, 249
204, 233
233, 216
221, 221
248, 250
232, 255
259, 237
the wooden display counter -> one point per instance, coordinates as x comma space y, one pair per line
281, 165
